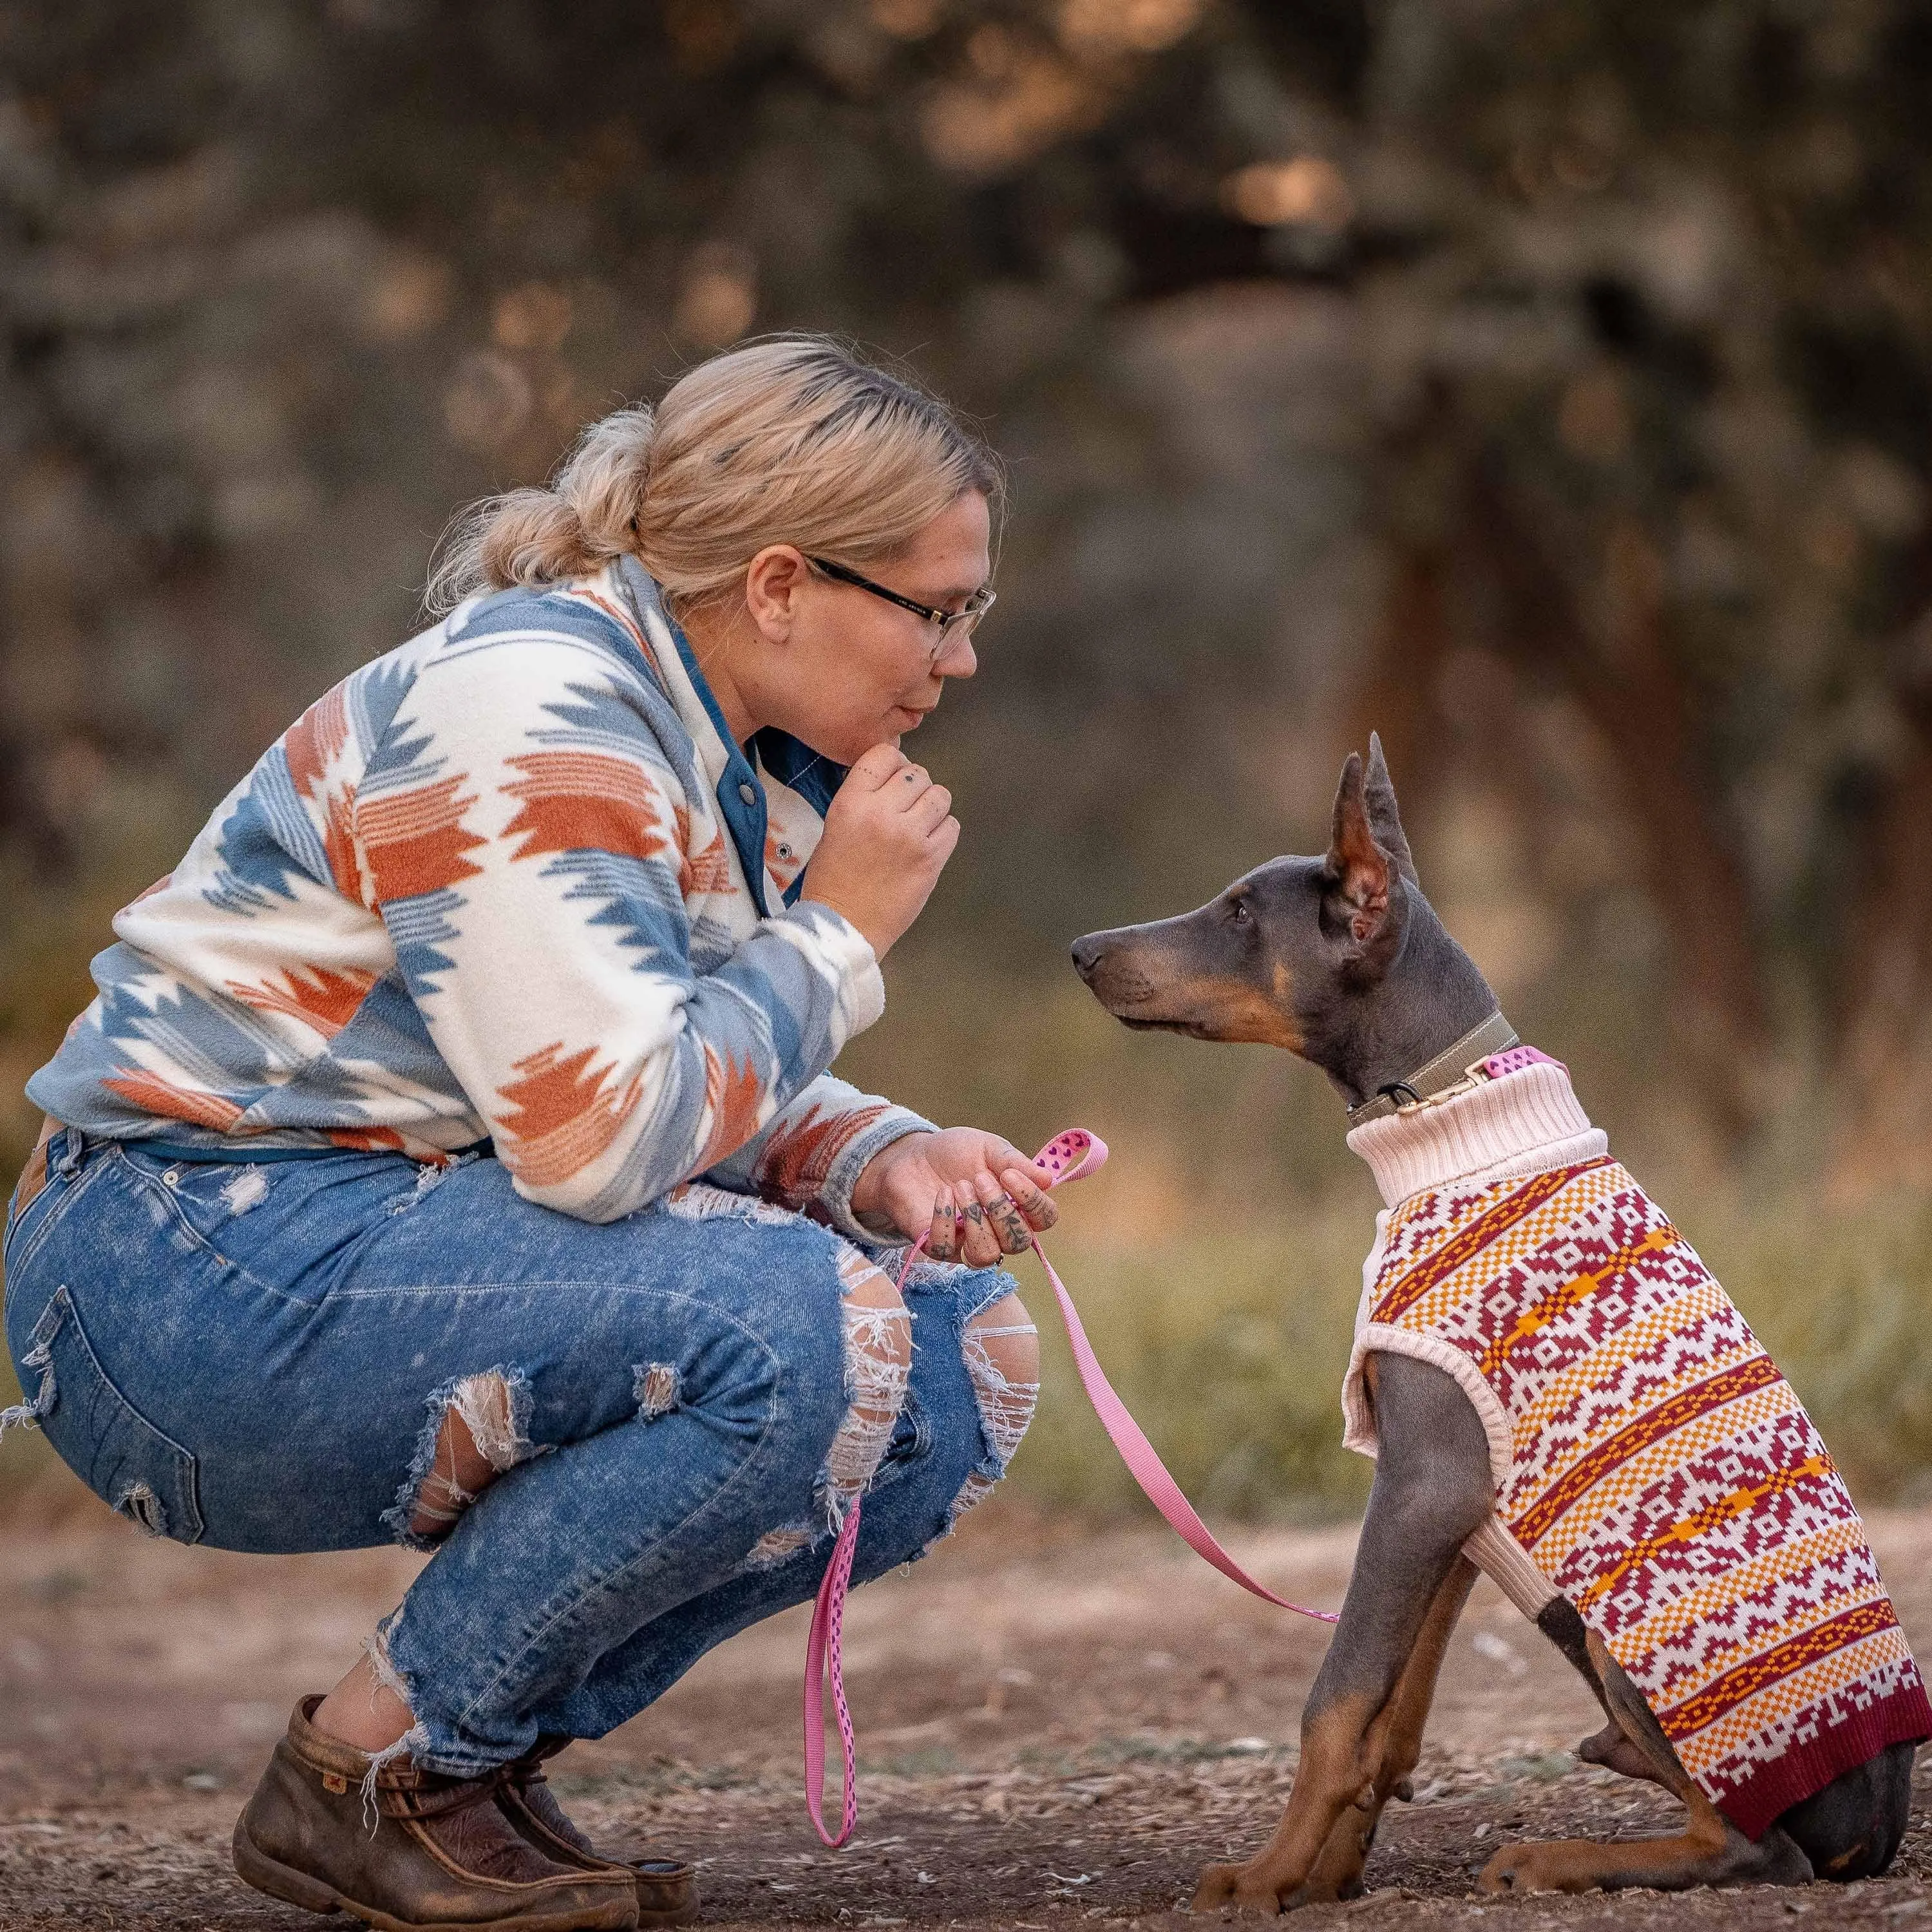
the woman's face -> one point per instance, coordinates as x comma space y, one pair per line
842, 669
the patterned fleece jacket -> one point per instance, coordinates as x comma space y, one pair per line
1650, 1464
513, 881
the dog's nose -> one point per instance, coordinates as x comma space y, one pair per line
1086, 951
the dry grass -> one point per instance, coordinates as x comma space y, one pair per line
1229, 1343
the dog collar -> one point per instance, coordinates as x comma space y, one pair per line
1462, 1064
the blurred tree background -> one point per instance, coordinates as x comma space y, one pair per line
1546, 383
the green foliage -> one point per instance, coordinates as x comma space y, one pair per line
1229, 1344
1547, 382
1229, 1348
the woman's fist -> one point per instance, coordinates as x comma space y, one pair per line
973, 1196
887, 838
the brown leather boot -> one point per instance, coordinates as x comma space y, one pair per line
441, 1857
667, 1888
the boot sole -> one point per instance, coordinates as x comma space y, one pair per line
255, 1868
676, 1915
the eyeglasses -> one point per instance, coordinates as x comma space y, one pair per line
965, 620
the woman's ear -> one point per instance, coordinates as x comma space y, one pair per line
773, 580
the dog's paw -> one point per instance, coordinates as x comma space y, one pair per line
1226, 1888
1550, 1867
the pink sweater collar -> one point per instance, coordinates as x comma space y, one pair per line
1524, 1122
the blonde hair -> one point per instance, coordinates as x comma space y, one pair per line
793, 439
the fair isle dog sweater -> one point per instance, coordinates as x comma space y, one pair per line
514, 884
1650, 1464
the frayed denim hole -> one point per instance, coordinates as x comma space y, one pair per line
878, 1366
431, 1175
997, 1285
248, 1188
36, 1409
414, 1742
778, 1546
699, 1201
495, 1406
657, 1387
140, 1505
1006, 1412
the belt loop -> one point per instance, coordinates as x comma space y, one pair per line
74, 1151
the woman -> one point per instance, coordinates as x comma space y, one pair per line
449, 1153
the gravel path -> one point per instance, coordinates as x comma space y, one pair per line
1056, 1730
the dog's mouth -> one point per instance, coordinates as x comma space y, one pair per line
1134, 996
1131, 1010
1214, 1011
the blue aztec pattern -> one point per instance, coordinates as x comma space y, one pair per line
501, 884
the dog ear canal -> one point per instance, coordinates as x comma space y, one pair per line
1365, 880
1384, 820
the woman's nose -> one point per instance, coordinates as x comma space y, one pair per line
956, 659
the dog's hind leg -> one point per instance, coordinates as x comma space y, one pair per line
1433, 1489
1710, 1850
1851, 1828
1337, 1870
1558, 1622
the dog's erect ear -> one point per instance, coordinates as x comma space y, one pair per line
1385, 821
1364, 882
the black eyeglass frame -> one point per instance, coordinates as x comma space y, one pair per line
976, 606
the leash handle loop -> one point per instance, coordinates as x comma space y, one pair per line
1071, 1156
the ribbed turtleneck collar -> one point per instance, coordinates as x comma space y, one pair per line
1524, 1122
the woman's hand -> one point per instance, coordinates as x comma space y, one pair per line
974, 1195
887, 837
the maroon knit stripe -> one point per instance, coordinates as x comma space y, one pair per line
1760, 1371
1756, 1673
1470, 1241
1752, 1794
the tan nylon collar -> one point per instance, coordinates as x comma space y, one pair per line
1448, 1069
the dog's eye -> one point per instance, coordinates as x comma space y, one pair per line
1238, 912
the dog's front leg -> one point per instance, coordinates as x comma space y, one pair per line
1433, 1490
1337, 1870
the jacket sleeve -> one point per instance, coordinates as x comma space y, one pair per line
809, 1155
525, 838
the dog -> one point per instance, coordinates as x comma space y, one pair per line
1504, 1380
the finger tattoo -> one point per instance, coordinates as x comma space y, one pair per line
1040, 1211
1014, 1233
945, 1232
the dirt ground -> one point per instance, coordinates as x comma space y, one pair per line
1055, 1730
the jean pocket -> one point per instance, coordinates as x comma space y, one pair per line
122, 1457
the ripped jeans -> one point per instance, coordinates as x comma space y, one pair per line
259, 1356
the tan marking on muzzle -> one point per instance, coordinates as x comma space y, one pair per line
1234, 1010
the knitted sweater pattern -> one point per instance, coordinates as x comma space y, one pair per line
512, 881
1650, 1460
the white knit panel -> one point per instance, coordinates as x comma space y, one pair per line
1524, 1122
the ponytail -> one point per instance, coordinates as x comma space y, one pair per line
793, 440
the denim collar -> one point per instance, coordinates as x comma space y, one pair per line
741, 796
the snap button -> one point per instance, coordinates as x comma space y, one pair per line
172, 1178
748, 792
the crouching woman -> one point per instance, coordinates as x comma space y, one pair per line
449, 1154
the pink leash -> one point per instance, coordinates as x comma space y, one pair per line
1072, 1156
